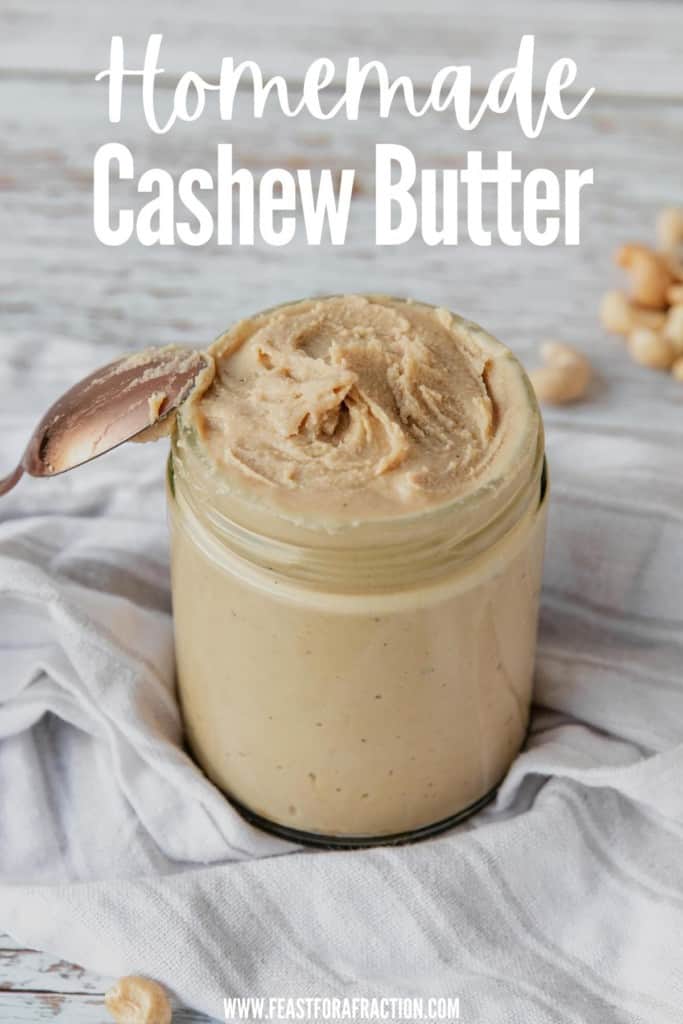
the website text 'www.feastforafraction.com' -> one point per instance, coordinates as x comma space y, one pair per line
332, 1008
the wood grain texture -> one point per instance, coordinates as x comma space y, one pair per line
627, 48
29, 1007
35, 986
28, 970
55, 277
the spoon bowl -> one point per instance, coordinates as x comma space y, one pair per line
110, 406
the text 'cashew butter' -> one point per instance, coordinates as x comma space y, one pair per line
358, 511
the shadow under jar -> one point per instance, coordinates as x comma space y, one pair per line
365, 681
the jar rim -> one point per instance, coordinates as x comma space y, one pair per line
230, 506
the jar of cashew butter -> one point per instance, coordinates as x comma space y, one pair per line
358, 497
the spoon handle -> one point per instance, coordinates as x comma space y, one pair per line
8, 482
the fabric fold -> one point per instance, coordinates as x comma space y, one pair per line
562, 901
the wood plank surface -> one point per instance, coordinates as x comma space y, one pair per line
35, 986
31, 971
56, 278
626, 48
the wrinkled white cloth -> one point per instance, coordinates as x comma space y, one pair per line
563, 901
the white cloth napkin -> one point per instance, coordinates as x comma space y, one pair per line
561, 902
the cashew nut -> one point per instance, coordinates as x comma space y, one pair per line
564, 377
673, 260
673, 328
650, 275
620, 316
670, 228
652, 316
651, 349
135, 1000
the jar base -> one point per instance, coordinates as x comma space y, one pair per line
329, 842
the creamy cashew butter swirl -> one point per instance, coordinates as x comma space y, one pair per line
357, 537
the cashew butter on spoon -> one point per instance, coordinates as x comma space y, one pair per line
131, 396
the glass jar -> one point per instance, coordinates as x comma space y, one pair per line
369, 684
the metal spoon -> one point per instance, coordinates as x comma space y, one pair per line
111, 406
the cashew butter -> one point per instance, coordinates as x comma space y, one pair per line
357, 520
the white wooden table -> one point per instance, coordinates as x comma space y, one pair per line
35, 987
56, 277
